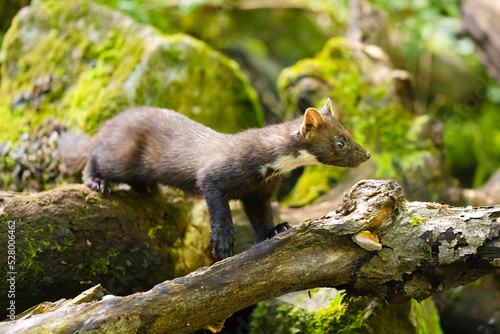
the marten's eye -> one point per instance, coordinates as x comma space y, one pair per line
340, 144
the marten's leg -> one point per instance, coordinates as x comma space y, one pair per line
91, 176
221, 225
258, 209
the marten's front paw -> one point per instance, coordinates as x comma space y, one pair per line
222, 246
282, 227
97, 184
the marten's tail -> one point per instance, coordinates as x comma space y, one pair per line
74, 150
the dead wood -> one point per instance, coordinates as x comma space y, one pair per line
423, 248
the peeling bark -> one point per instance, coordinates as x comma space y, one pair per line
426, 247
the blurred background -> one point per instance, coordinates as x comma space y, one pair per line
415, 82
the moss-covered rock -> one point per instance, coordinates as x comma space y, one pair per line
370, 99
83, 63
262, 36
323, 311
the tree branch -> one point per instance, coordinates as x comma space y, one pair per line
424, 248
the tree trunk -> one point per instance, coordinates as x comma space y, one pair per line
423, 248
71, 238
480, 21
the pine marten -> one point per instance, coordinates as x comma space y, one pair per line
145, 146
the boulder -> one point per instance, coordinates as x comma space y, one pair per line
83, 63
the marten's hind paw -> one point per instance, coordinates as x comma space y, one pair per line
222, 245
98, 185
282, 227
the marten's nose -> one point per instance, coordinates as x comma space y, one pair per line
368, 155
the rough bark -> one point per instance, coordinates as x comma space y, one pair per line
426, 247
480, 21
71, 238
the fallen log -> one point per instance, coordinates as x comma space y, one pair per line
71, 238
375, 243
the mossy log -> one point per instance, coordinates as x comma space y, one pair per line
422, 248
71, 238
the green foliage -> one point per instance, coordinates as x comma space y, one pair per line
473, 145
99, 265
30, 262
422, 22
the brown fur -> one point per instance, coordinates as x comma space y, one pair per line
145, 146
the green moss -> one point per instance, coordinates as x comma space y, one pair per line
185, 62
78, 212
416, 221
315, 182
153, 230
287, 318
98, 266
346, 315
29, 259
11, 126
282, 319
336, 318
63, 50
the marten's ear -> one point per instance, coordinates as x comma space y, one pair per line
312, 118
328, 108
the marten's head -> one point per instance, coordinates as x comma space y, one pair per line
328, 141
